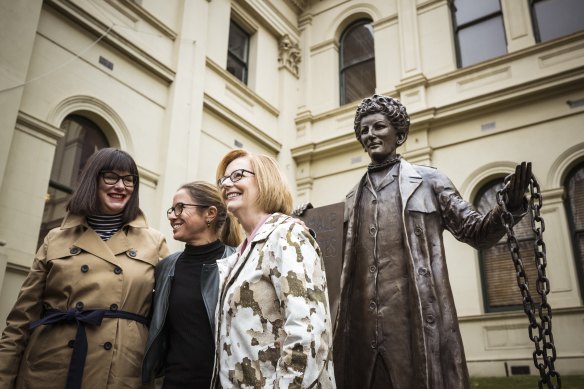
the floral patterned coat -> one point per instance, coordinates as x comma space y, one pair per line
274, 324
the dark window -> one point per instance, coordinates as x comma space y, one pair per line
479, 31
575, 209
500, 290
82, 138
556, 18
237, 52
357, 62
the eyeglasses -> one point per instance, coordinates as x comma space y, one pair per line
111, 178
235, 176
178, 208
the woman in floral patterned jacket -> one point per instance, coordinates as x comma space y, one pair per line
274, 324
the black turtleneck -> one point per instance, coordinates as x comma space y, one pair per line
191, 347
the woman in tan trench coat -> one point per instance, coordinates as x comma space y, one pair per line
80, 320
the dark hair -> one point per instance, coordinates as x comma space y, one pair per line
391, 108
85, 200
224, 225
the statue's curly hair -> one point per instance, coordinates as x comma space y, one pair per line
391, 108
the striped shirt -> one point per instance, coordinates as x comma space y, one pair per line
105, 225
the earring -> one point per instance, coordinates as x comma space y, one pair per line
208, 223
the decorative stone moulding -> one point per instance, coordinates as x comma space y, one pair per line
289, 55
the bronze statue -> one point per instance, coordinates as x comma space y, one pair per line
397, 326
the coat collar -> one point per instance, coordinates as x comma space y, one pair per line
262, 234
89, 241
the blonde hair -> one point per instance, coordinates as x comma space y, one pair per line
273, 191
224, 225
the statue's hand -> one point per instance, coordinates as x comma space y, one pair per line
518, 185
299, 210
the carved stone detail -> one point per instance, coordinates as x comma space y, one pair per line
289, 55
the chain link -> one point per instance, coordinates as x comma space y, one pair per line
540, 333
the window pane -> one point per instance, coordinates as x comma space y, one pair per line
236, 68
557, 18
238, 42
358, 81
357, 60
82, 138
482, 41
357, 44
575, 210
575, 192
469, 10
237, 52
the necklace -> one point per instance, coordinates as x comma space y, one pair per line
374, 167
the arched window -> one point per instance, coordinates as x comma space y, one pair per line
479, 31
357, 62
82, 138
575, 209
500, 291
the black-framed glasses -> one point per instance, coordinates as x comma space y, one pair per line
111, 178
178, 208
235, 176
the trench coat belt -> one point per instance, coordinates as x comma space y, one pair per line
82, 317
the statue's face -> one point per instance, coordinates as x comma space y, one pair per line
379, 138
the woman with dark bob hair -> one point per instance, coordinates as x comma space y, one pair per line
80, 320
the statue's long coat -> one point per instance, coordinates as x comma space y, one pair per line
430, 204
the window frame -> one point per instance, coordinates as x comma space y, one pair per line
536, 25
67, 188
578, 256
342, 68
244, 62
456, 28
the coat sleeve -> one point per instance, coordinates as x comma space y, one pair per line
300, 283
28, 307
464, 221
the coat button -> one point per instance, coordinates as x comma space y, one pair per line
118, 270
84, 268
107, 346
423, 271
374, 201
430, 319
372, 230
74, 250
373, 344
79, 306
132, 253
114, 307
372, 305
372, 269
71, 343
418, 230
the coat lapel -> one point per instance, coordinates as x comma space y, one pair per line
409, 181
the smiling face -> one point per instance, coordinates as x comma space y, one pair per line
379, 138
113, 198
191, 225
241, 196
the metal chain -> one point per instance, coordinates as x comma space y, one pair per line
540, 332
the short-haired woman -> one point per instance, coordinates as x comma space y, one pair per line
274, 324
181, 344
80, 320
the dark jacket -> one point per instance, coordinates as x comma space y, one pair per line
430, 203
156, 346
